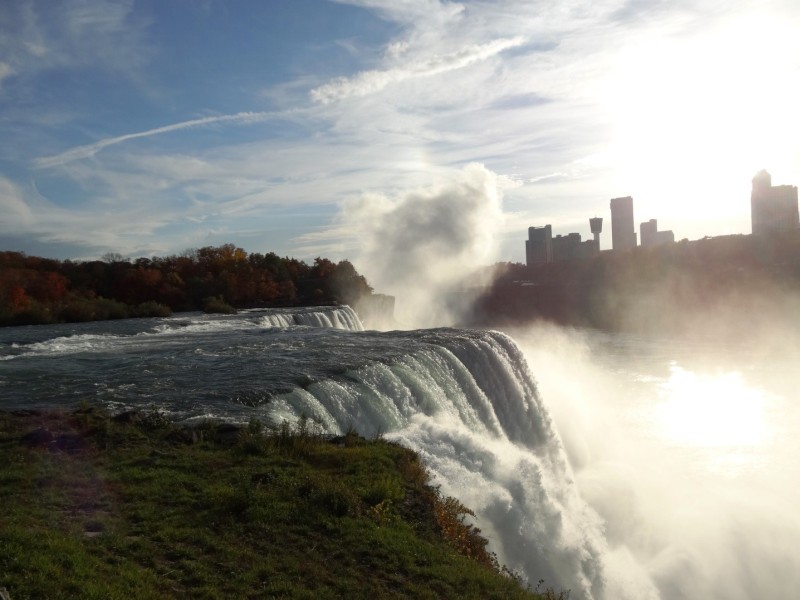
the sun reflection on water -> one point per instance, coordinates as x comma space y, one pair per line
711, 410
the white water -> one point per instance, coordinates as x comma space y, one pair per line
471, 410
342, 317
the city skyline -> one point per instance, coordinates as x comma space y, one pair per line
774, 210
141, 129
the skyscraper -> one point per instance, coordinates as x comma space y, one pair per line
772, 208
623, 234
539, 245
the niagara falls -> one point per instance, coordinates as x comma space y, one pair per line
575, 467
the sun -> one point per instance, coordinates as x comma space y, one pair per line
695, 115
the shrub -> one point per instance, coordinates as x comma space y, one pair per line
80, 309
151, 308
217, 304
465, 537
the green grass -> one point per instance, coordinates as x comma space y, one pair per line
147, 510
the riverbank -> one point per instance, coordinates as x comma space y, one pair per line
135, 507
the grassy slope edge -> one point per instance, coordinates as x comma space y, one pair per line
134, 507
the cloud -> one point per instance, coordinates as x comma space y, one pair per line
40, 35
369, 82
31, 223
13, 208
411, 11
6, 71
424, 244
88, 150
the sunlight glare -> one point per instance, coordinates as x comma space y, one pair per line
696, 115
711, 410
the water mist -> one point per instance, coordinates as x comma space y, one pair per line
686, 450
424, 246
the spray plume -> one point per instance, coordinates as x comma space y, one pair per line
424, 246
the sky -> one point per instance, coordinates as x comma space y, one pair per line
146, 128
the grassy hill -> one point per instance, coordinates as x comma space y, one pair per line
134, 507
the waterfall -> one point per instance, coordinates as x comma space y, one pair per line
338, 317
467, 403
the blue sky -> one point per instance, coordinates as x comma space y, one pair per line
150, 127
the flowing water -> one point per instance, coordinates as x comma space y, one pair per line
613, 466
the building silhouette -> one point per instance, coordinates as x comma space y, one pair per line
596, 226
567, 247
539, 245
650, 236
542, 247
623, 234
772, 208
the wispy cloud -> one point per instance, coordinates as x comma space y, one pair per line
89, 150
38, 35
13, 207
412, 11
369, 82
6, 70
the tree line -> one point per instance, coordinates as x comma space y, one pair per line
36, 290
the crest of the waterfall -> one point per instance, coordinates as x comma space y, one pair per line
466, 401
340, 317
425, 246
332, 317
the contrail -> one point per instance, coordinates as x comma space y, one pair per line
88, 150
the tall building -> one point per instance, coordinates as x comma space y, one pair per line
567, 247
623, 234
772, 208
649, 235
539, 245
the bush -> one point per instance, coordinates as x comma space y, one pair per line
217, 304
34, 314
92, 309
151, 308
106, 309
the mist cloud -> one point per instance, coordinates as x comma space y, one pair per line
425, 244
